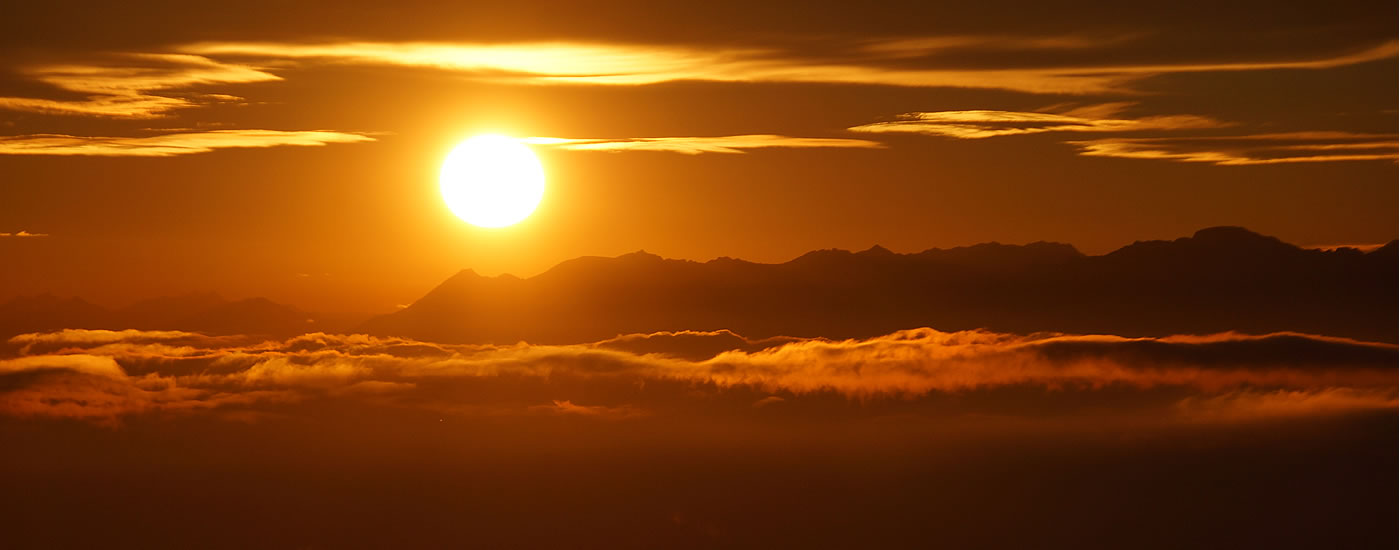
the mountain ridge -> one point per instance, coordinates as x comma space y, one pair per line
1218, 279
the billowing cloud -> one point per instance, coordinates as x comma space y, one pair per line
1245, 150
185, 143
978, 124
697, 145
105, 375
141, 85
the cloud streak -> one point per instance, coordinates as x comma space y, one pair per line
1248, 150
980, 124
622, 64
23, 235
1229, 150
140, 85
698, 145
184, 143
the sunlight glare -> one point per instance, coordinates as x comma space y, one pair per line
492, 181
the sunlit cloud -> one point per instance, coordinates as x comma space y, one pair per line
1229, 150
150, 85
23, 234
142, 85
1246, 150
921, 46
697, 145
979, 124
1254, 404
103, 375
185, 143
622, 64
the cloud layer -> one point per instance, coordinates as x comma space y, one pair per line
624, 64
153, 84
1224, 150
1250, 149
185, 143
978, 124
142, 85
698, 145
107, 375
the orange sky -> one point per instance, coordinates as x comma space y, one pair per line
294, 155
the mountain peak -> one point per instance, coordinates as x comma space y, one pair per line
1230, 233
640, 255
1238, 240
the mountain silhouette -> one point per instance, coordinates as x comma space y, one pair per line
46, 312
1219, 279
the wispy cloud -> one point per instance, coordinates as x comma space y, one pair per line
921, 46
1247, 150
185, 143
697, 145
23, 234
979, 124
1227, 150
142, 85
149, 85
625, 64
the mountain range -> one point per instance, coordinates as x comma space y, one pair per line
1219, 279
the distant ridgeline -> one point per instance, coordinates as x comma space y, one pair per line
1220, 279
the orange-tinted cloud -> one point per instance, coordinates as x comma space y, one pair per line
1252, 404
626, 64
1229, 150
1246, 150
654, 374
186, 143
697, 145
978, 124
23, 234
143, 85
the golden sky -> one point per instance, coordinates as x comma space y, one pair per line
292, 152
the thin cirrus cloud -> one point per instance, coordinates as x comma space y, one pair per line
980, 124
584, 63
1249, 150
102, 376
150, 85
698, 145
1228, 150
166, 145
141, 85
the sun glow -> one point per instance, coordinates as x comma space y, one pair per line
492, 181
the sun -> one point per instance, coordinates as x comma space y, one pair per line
492, 181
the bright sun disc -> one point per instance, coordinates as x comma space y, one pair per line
492, 181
